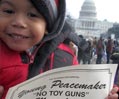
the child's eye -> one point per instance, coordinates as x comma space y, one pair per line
32, 15
8, 11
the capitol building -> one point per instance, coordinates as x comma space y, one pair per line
87, 24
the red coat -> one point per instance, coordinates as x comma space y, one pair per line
13, 71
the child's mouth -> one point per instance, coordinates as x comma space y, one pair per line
17, 36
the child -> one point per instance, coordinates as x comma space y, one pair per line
30, 40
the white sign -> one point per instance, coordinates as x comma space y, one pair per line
72, 82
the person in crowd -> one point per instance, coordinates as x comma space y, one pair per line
100, 50
80, 51
109, 49
77, 43
115, 45
94, 46
31, 35
87, 54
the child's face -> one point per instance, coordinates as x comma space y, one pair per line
21, 26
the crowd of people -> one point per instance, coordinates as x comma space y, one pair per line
33, 37
99, 51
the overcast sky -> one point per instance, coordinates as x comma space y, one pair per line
106, 9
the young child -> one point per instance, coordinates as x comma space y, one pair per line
31, 40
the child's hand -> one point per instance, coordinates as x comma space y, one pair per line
1, 91
113, 94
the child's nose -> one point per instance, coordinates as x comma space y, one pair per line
19, 22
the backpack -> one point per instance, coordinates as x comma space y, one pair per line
54, 57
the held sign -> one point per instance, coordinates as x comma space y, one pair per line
72, 82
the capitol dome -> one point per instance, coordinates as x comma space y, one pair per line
88, 10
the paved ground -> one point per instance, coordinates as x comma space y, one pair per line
93, 60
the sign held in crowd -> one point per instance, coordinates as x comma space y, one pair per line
73, 82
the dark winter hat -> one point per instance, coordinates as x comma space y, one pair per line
49, 10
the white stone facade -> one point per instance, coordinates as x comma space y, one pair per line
88, 24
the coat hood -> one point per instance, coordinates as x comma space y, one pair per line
54, 13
